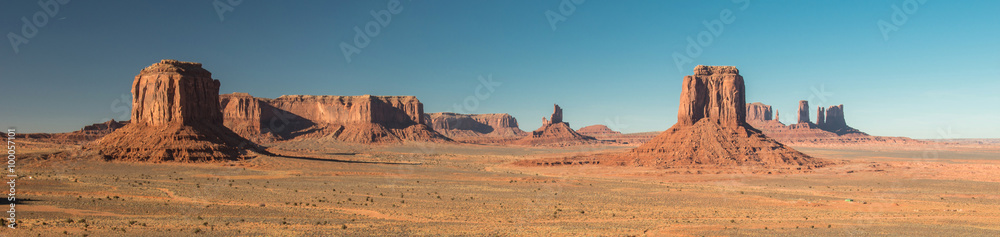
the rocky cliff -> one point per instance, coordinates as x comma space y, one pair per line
702, 97
360, 119
758, 111
250, 117
175, 116
175, 92
475, 128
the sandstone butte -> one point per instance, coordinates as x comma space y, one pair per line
554, 132
475, 128
356, 119
711, 132
175, 116
830, 127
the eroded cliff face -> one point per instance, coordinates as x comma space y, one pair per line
174, 91
251, 118
715, 94
175, 116
360, 119
803, 112
386, 110
476, 128
758, 111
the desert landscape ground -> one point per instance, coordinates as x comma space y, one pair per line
377, 165
421, 118
331, 188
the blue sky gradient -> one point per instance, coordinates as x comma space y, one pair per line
609, 62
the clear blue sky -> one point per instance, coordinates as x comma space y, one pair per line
608, 62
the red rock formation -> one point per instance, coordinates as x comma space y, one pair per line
175, 92
830, 130
836, 123
758, 112
804, 112
557, 116
476, 128
555, 132
711, 129
597, 130
175, 116
628, 138
87, 134
249, 117
820, 116
390, 110
360, 119
713, 93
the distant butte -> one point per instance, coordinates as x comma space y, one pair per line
830, 127
555, 132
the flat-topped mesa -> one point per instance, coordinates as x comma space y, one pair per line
358, 119
474, 126
597, 130
387, 110
105, 127
715, 93
803, 112
758, 112
175, 91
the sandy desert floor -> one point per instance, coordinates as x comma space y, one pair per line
328, 188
